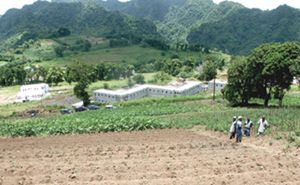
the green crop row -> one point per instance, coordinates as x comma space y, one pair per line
90, 122
154, 114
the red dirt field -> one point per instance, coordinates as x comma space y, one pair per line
189, 157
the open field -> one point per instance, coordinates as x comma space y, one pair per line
42, 52
192, 157
8, 94
130, 54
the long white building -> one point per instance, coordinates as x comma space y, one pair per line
33, 92
186, 88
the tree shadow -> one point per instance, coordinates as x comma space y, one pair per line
261, 106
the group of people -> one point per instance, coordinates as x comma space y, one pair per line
238, 129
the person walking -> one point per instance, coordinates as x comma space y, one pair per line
232, 128
239, 129
263, 124
248, 126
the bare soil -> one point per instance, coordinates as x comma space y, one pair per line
189, 157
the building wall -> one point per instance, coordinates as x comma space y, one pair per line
194, 90
135, 95
106, 97
219, 86
33, 92
159, 92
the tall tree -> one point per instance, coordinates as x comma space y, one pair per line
295, 68
239, 84
271, 63
267, 73
80, 90
209, 71
41, 73
20, 74
55, 76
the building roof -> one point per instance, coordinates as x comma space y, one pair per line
34, 85
174, 86
218, 81
78, 104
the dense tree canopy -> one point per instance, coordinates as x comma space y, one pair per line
54, 76
246, 29
80, 89
174, 18
209, 71
267, 73
44, 19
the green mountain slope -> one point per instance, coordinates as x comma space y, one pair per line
154, 10
174, 18
181, 19
245, 29
42, 19
151, 9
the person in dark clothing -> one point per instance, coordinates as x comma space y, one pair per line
248, 126
239, 129
232, 128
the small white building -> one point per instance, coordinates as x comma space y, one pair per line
33, 92
295, 81
186, 88
77, 105
219, 85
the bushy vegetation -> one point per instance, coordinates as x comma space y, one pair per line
114, 63
180, 112
139, 79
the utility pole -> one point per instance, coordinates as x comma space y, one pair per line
214, 90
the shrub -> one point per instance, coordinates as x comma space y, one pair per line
105, 86
139, 79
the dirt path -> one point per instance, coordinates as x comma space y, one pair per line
151, 157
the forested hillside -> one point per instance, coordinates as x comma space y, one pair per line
246, 29
181, 19
154, 10
43, 19
174, 18
227, 26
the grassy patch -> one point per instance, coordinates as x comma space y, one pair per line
9, 90
130, 55
10, 109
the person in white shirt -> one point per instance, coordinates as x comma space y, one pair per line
248, 126
232, 128
263, 124
239, 129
